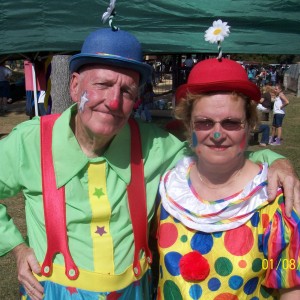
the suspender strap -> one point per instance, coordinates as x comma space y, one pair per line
137, 199
54, 206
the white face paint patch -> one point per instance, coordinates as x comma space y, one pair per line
83, 100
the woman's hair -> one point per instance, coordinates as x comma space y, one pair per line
183, 110
268, 89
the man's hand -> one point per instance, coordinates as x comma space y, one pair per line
26, 265
282, 173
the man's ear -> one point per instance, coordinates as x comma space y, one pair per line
74, 86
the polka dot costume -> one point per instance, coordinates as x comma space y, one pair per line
227, 264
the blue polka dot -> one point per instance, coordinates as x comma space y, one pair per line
214, 284
195, 291
172, 263
176, 220
254, 298
202, 242
255, 219
235, 282
217, 234
250, 286
163, 213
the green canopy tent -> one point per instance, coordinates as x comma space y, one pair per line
36, 27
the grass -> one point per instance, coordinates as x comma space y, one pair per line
291, 133
8, 277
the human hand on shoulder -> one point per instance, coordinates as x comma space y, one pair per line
282, 173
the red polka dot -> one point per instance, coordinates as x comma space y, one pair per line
265, 220
239, 241
242, 264
168, 235
226, 296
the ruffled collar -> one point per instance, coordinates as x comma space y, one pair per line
180, 199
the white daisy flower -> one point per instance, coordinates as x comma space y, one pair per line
217, 32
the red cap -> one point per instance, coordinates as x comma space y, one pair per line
213, 75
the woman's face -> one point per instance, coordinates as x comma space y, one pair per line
213, 143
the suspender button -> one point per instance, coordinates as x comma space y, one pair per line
72, 272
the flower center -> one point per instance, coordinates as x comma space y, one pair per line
217, 31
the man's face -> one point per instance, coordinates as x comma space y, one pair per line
105, 96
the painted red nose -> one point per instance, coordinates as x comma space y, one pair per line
114, 104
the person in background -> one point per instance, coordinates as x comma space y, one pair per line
90, 177
264, 108
146, 101
5, 74
251, 72
281, 101
261, 78
267, 99
219, 236
188, 65
273, 76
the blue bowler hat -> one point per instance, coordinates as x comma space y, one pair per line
115, 48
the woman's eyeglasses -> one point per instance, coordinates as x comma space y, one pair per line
229, 124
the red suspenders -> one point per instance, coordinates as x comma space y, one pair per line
137, 200
55, 208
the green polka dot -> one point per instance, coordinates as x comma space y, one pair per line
171, 291
256, 265
183, 238
266, 292
223, 266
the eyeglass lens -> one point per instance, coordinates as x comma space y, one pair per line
227, 124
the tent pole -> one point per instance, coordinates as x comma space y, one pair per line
34, 90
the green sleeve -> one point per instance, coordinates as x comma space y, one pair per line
10, 236
262, 156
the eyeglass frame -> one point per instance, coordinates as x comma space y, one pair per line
239, 123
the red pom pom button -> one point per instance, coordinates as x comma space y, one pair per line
194, 267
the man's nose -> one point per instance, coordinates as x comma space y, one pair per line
115, 99
114, 104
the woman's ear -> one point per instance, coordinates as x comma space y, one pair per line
74, 86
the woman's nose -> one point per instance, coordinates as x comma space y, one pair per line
217, 132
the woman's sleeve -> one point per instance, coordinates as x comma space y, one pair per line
281, 246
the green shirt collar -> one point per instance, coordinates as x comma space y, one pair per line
69, 159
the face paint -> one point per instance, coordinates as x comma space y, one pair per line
217, 135
83, 100
243, 142
194, 140
114, 104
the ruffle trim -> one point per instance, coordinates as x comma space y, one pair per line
179, 200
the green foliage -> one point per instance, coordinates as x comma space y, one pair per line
266, 58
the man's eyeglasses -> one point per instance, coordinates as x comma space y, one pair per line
229, 124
